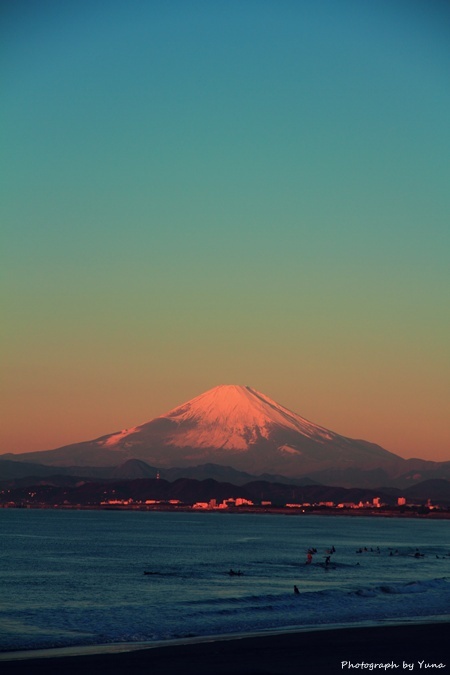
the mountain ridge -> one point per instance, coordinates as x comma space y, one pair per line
238, 427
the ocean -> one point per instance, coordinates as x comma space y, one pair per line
79, 578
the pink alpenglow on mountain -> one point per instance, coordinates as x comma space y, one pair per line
232, 417
229, 425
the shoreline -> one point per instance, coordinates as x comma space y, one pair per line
433, 514
317, 649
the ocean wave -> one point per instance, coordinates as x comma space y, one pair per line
90, 595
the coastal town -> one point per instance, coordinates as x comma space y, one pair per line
401, 508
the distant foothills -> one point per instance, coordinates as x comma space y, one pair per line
230, 447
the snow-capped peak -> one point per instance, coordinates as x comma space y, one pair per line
232, 417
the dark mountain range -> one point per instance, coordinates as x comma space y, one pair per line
21, 474
13, 469
242, 430
437, 490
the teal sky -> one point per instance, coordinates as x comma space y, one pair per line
204, 193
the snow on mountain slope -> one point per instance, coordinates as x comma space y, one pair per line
232, 417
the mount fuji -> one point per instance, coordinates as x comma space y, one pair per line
239, 427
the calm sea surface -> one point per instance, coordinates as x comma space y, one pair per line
77, 577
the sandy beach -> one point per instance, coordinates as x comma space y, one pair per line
399, 648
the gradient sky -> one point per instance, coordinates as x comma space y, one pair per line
217, 192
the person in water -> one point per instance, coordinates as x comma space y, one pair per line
296, 591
